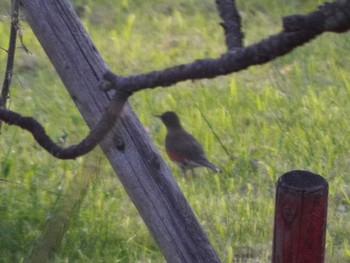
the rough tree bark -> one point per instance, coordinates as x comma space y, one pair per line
139, 166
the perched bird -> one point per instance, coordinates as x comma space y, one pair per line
181, 147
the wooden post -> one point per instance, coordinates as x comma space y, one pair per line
300, 218
139, 166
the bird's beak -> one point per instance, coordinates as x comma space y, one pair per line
157, 115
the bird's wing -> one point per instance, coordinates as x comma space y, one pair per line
185, 144
182, 145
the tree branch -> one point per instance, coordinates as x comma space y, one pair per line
333, 17
86, 145
231, 23
230, 62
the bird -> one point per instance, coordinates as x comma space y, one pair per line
182, 147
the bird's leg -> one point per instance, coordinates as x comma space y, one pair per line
184, 172
193, 173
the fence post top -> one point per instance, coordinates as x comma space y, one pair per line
302, 180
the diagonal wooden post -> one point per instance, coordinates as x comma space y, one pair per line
300, 218
132, 155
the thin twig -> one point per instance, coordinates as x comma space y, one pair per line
11, 55
229, 155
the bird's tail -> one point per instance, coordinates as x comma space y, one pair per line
212, 167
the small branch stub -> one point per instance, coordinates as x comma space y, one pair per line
300, 218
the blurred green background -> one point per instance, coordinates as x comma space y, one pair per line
289, 114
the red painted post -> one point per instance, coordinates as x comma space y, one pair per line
300, 218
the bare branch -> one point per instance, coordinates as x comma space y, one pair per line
229, 62
330, 17
86, 145
231, 23
333, 17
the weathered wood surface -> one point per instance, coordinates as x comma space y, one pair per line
129, 150
300, 218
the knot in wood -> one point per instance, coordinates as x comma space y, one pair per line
288, 214
119, 143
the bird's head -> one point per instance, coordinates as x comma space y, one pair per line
170, 119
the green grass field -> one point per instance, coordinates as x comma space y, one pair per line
292, 113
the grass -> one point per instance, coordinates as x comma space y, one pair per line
289, 114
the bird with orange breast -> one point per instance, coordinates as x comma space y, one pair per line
181, 147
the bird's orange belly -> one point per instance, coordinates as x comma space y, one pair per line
174, 157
